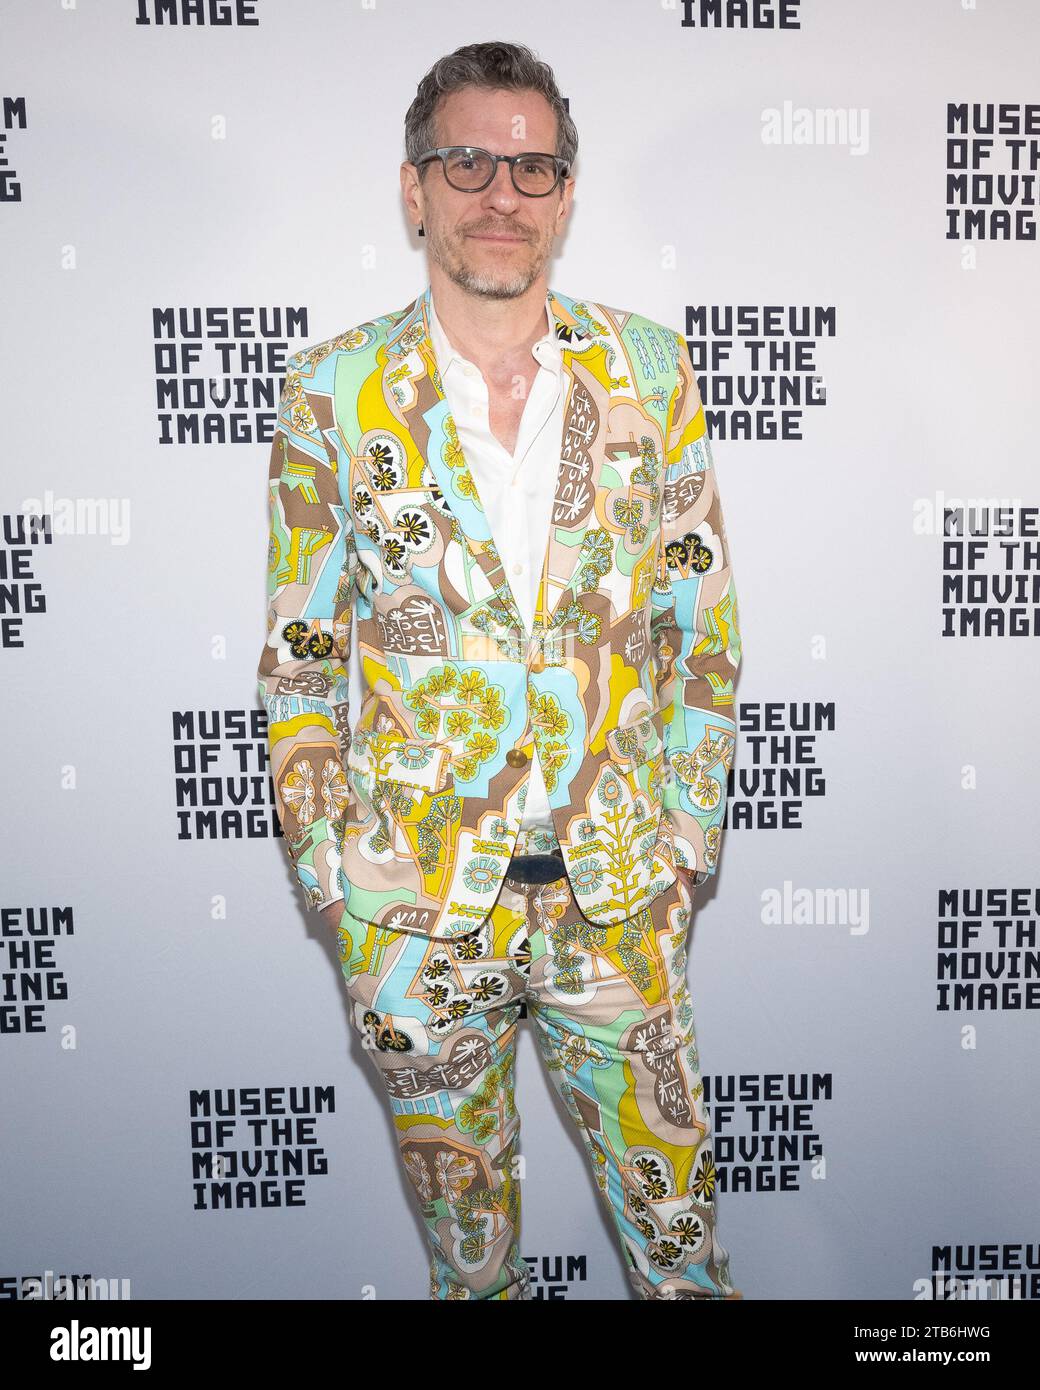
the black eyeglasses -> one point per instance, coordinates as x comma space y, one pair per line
469, 169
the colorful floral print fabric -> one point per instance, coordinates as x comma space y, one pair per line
623, 689
613, 1020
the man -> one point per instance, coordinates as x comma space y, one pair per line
513, 491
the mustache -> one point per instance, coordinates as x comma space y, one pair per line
500, 229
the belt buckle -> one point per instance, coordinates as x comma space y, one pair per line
545, 868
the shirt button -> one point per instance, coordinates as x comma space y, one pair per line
518, 569
516, 757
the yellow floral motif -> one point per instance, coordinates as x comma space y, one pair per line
298, 791
550, 723
302, 417
453, 705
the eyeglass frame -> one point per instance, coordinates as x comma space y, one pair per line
561, 165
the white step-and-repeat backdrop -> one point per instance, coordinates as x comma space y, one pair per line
837, 201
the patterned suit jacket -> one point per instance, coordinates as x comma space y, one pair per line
623, 689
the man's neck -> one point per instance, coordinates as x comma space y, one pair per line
494, 334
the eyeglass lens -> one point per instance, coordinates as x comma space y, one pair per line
469, 170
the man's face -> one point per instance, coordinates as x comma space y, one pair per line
494, 243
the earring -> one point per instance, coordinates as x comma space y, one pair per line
421, 232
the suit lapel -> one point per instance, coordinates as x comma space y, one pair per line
411, 379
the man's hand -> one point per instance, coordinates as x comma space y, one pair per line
332, 915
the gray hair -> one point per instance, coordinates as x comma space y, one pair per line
493, 66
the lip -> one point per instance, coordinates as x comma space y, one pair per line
491, 236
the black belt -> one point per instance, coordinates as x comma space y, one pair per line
536, 868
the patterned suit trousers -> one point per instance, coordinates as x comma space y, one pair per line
614, 1025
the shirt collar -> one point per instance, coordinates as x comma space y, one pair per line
546, 350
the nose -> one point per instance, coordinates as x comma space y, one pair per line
500, 192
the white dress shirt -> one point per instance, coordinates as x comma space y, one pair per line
518, 486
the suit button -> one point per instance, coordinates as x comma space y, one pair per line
516, 757
538, 663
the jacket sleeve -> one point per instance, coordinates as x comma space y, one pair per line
303, 677
695, 632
